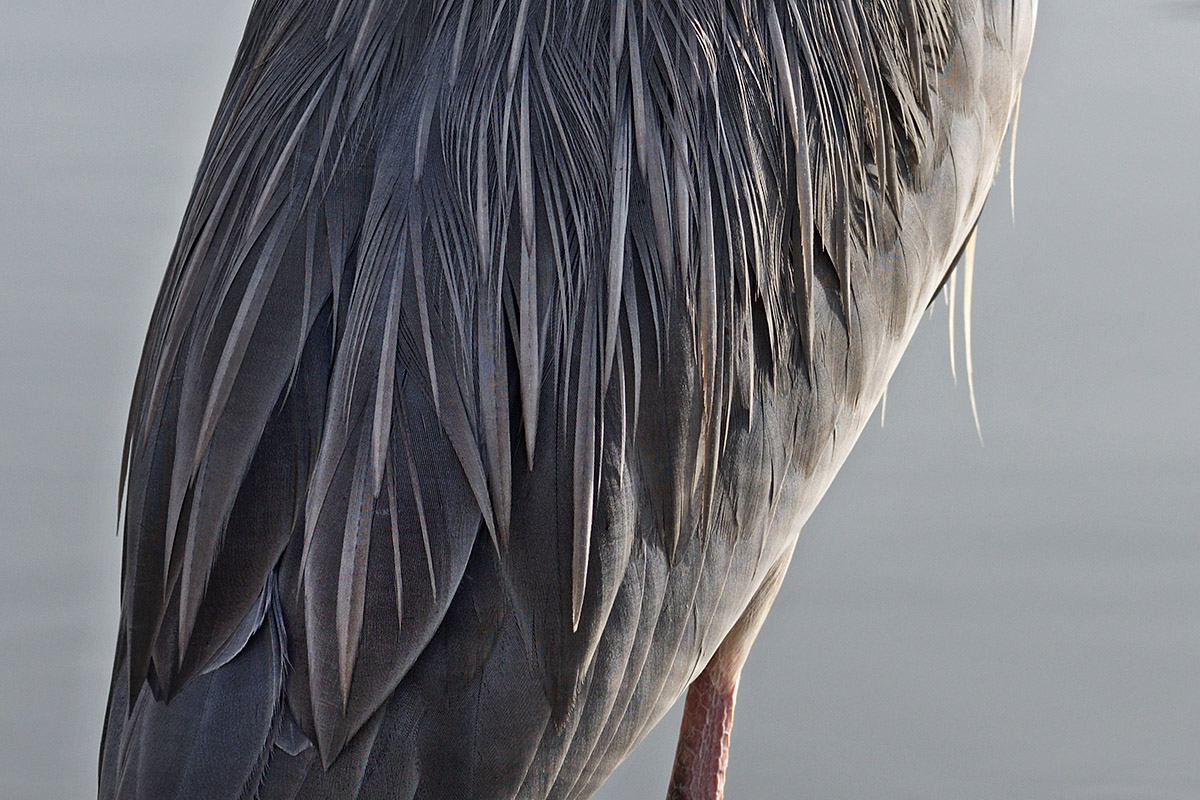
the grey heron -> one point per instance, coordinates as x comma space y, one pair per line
505, 347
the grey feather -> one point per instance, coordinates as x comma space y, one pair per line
671, 251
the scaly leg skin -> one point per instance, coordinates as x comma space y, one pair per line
703, 750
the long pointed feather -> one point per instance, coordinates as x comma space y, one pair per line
584, 473
968, 281
1012, 157
616, 247
952, 284
529, 362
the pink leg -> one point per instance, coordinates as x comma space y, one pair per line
703, 750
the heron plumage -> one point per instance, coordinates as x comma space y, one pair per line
505, 345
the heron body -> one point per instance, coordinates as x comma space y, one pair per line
505, 348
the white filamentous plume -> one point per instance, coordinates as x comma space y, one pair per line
950, 297
968, 279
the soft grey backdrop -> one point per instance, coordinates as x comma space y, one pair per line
1019, 619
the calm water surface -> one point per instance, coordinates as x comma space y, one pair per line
1014, 620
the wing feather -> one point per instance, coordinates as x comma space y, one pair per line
304, 410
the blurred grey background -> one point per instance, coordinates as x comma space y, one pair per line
1019, 619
